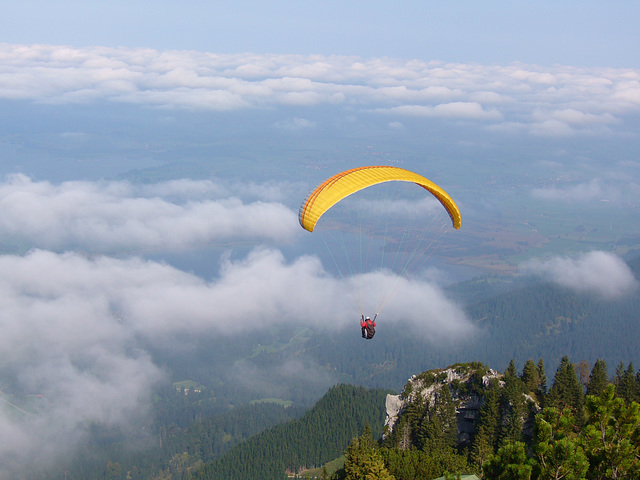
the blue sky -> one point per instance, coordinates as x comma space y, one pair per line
581, 33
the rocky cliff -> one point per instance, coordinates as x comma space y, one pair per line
467, 385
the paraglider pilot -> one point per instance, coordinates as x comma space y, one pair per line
368, 327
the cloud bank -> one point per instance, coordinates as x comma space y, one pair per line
118, 216
598, 273
75, 330
551, 101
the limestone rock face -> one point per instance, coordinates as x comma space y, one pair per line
466, 382
394, 405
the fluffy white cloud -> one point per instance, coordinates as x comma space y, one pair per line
419, 302
556, 100
74, 329
122, 217
598, 273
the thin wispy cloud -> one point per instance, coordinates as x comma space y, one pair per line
621, 191
550, 101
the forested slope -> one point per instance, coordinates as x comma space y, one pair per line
174, 450
549, 321
319, 436
468, 419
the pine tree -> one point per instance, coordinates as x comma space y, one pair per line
617, 378
447, 411
556, 451
512, 407
409, 425
566, 391
509, 463
627, 385
512, 413
598, 379
363, 462
511, 371
542, 379
610, 436
412, 464
440, 428
488, 430
530, 376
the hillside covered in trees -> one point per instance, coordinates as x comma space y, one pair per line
583, 423
314, 439
584, 426
580, 424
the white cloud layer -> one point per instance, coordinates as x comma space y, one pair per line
598, 273
623, 191
74, 330
118, 216
418, 301
555, 100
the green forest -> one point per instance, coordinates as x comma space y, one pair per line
316, 438
584, 426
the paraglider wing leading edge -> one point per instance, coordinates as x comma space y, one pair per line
334, 189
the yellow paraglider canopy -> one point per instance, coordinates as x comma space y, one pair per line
346, 183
